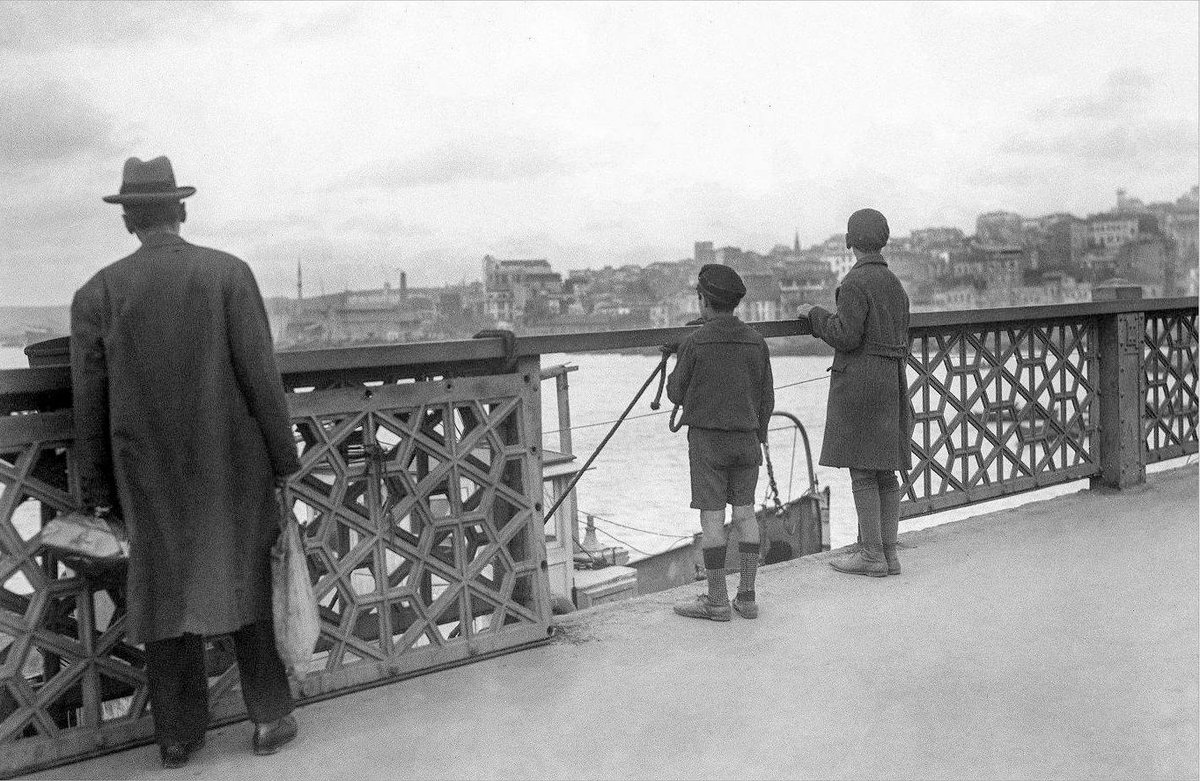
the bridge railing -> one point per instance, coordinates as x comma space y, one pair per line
422, 502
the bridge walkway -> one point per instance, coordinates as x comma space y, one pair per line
1055, 640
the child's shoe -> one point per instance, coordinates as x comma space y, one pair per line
746, 608
864, 561
893, 561
700, 607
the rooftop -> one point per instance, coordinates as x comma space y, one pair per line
1055, 640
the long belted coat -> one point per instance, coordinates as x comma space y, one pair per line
180, 414
868, 423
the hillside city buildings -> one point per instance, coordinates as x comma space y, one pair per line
1010, 260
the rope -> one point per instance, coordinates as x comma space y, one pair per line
634, 528
802, 382
773, 488
639, 550
671, 424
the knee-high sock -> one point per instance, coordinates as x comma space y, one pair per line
864, 485
714, 566
748, 555
889, 507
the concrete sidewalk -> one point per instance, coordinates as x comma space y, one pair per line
1056, 640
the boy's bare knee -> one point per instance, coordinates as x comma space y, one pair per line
746, 523
712, 523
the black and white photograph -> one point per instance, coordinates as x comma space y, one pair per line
599, 390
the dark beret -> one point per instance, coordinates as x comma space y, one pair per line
720, 284
867, 230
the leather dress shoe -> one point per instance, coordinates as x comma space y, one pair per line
177, 754
269, 737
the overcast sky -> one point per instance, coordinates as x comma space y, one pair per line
365, 138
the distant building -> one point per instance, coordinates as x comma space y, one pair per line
989, 265
937, 238
917, 271
1059, 240
839, 262
704, 253
386, 315
761, 301
1176, 222
809, 282
1112, 230
520, 290
956, 297
999, 228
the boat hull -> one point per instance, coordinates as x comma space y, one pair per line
802, 529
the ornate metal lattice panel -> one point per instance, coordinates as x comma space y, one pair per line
422, 512
999, 409
1169, 360
421, 505
66, 673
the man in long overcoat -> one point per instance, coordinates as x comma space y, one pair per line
181, 422
868, 423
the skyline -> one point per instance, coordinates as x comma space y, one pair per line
365, 139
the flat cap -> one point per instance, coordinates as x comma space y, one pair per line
720, 284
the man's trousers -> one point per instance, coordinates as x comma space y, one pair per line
179, 684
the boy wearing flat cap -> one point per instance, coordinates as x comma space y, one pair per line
722, 378
868, 427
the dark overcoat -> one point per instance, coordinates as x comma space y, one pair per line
868, 423
180, 415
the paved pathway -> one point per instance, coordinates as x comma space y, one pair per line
1056, 640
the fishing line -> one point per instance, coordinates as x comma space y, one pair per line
666, 412
639, 550
631, 528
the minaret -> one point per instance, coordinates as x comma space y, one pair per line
299, 282
796, 244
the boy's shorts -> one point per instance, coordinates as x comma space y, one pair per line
724, 466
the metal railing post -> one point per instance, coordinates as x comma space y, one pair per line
563, 396
1122, 400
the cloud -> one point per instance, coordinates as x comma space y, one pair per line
1126, 91
51, 24
1146, 141
462, 160
330, 21
49, 121
384, 225
293, 223
1128, 124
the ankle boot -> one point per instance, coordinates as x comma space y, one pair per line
893, 561
864, 561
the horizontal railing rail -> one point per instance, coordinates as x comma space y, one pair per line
301, 368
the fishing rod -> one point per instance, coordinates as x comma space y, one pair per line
659, 369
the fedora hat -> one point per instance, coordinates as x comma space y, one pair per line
149, 181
